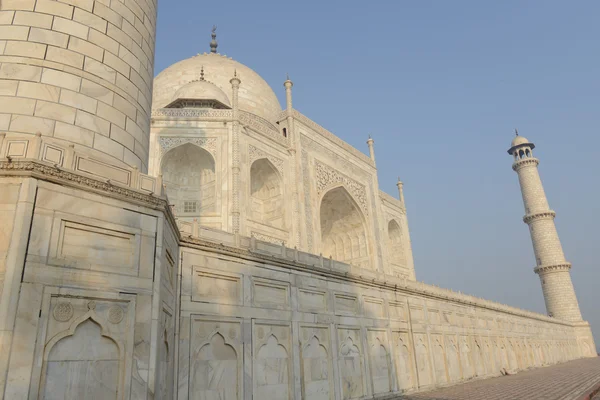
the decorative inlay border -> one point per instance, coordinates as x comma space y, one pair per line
167, 143
327, 177
254, 153
192, 113
267, 238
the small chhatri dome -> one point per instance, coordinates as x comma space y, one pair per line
199, 93
519, 141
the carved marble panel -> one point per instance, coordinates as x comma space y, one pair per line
345, 304
452, 358
217, 286
216, 359
85, 348
272, 361
312, 300
397, 310
439, 358
374, 307
270, 293
404, 360
424, 368
316, 366
116, 248
351, 363
380, 361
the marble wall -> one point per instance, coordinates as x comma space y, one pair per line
260, 330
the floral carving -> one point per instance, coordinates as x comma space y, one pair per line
327, 177
115, 314
63, 311
266, 238
255, 153
167, 143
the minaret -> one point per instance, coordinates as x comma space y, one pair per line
370, 143
400, 186
551, 265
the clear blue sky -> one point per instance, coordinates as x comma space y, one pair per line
440, 85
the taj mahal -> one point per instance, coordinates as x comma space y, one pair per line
185, 236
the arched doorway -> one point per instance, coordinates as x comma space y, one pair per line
266, 194
189, 175
343, 231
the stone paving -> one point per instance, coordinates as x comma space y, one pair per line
573, 380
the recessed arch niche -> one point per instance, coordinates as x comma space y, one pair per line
189, 175
395, 246
266, 194
343, 230
83, 365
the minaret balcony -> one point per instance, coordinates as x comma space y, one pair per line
525, 162
543, 269
540, 215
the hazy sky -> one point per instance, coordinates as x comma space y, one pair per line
440, 85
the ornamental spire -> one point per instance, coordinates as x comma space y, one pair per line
213, 42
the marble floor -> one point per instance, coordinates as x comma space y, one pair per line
573, 380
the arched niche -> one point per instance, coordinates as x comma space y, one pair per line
215, 371
189, 175
266, 194
316, 372
343, 230
83, 365
395, 246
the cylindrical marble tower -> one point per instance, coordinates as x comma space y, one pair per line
551, 266
80, 72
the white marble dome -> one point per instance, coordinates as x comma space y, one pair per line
519, 140
201, 90
255, 95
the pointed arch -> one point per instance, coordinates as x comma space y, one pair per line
343, 228
395, 244
316, 370
266, 193
215, 370
272, 370
189, 175
380, 368
83, 362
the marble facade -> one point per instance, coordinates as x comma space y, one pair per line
189, 239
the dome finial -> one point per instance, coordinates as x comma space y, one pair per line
516, 132
213, 42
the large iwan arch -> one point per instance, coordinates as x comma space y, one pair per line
189, 175
343, 229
